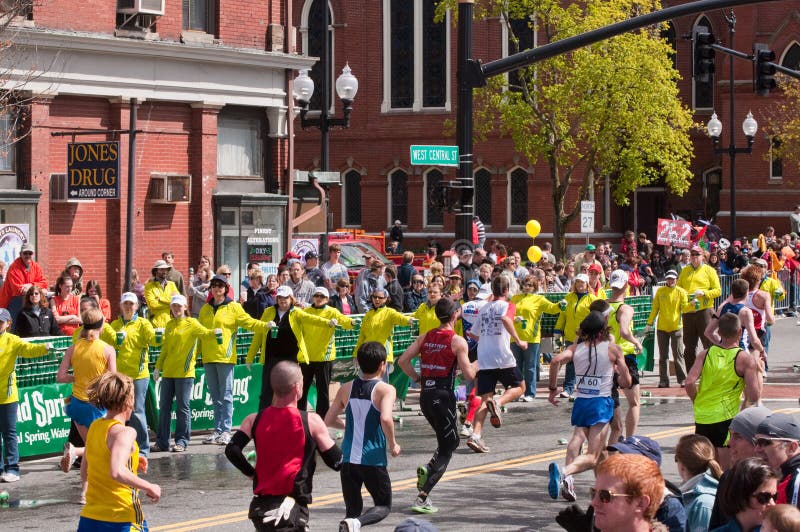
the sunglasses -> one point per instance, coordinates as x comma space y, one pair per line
605, 496
319, 295
378, 297
766, 442
419, 282
763, 497
696, 254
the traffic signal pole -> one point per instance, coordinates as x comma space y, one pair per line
464, 122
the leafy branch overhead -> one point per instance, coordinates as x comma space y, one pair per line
609, 109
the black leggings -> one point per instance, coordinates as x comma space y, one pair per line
376, 480
321, 373
439, 408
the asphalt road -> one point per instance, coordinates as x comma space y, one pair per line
502, 490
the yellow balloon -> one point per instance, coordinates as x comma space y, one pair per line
534, 252
533, 228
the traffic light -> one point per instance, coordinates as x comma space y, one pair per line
703, 54
765, 71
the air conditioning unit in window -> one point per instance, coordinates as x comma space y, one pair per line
170, 188
140, 7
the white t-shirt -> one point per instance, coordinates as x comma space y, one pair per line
494, 344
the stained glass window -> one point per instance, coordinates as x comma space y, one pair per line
398, 181
483, 195
518, 194
433, 213
352, 198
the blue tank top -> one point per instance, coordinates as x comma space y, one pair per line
734, 308
364, 442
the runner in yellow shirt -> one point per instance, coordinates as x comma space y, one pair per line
113, 461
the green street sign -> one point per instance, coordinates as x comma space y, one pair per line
434, 155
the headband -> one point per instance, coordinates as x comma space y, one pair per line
96, 325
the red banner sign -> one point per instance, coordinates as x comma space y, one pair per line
677, 233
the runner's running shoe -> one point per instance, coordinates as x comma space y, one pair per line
349, 525
555, 480
466, 430
568, 489
422, 476
494, 413
476, 444
424, 507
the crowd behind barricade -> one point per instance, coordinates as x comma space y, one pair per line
479, 311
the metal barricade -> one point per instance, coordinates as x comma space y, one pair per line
785, 278
725, 282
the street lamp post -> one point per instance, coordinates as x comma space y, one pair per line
346, 89
749, 127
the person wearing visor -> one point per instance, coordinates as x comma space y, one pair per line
219, 352
281, 336
134, 335
89, 358
378, 325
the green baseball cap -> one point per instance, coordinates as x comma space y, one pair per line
590, 247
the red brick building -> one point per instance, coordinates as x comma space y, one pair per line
406, 66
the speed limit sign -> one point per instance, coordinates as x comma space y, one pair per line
587, 217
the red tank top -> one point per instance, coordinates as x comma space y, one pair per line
437, 360
284, 454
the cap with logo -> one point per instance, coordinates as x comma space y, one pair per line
284, 291
785, 426
639, 445
618, 279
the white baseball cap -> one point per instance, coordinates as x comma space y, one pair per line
582, 277
321, 290
178, 299
129, 297
284, 291
618, 279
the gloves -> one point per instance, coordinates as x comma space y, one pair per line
280, 513
333, 323
156, 375
271, 324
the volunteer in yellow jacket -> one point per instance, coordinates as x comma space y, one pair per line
133, 336
321, 350
11, 347
425, 314
158, 293
378, 324
574, 309
219, 354
702, 285
527, 321
668, 303
89, 358
286, 339
175, 369
113, 461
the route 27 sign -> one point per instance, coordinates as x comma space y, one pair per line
677, 233
93, 170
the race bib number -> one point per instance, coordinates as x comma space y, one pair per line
589, 385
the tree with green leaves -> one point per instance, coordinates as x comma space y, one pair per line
608, 109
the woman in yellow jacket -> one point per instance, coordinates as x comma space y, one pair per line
134, 336
287, 326
321, 349
219, 355
378, 325
527, 321
175, 368
574, 308
11, 347
89, 358
426, 312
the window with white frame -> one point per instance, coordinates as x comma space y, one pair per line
198, 15
7, 145
791, 57
240, 143
702, 91
483, 195
351, 196
313, 33
434, 215
416, 56
398, 196
518, 197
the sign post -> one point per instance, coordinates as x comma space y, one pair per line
587, 218
434, 155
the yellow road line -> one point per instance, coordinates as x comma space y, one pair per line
405, 484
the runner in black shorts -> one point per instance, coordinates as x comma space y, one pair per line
440, 352
716, 432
